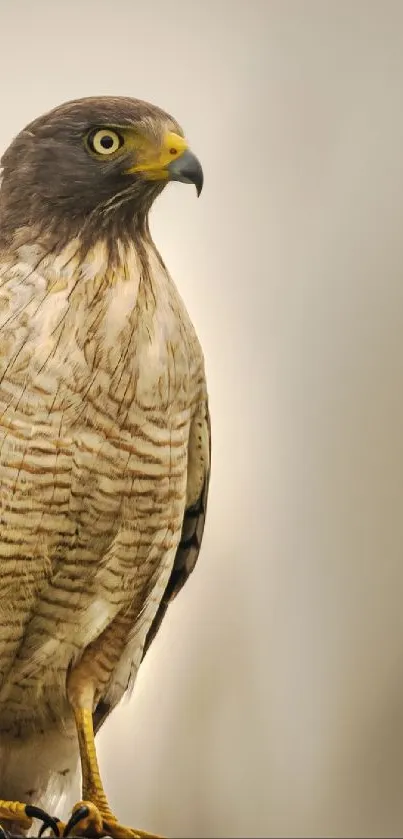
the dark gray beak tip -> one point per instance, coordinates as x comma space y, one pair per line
199, 184
187, 169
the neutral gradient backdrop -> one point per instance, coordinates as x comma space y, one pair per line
272, 702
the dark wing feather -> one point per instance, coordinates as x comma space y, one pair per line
185, 560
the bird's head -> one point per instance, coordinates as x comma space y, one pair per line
97, 160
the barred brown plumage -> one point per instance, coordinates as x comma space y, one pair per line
104, 437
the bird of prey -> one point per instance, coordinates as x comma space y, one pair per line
104, 440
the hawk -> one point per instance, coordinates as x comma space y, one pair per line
104, 440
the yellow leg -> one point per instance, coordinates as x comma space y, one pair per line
92, 788
100, 821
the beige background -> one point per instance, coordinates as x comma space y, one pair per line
272, 702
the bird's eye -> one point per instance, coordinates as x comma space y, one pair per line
104, 141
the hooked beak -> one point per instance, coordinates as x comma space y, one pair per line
173, 161
187, 169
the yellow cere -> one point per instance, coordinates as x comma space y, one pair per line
152, 161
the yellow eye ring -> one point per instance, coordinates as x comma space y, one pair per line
105, 141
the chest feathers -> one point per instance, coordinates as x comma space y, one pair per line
103, 327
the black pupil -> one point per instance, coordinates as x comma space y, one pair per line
107, 141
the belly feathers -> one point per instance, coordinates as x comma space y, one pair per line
84, 528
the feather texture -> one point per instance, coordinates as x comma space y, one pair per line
104, 463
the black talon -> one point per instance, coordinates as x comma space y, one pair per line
45, 827
82, 813
4, 834
47, 820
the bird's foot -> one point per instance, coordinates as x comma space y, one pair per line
88, 820
16, 816
14, 812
